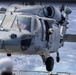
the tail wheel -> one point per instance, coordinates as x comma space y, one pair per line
58, 59
49, 63
8, 55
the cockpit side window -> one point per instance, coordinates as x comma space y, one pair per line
22, 23
35, 25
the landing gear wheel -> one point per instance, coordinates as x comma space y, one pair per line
49, 63
58, 59
8, 55
6, 73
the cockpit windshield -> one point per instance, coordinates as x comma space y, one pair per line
1, 18
22, 23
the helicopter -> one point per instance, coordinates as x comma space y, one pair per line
35, 30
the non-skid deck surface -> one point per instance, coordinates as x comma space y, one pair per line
21, 72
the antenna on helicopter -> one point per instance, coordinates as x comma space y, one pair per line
41, 3
24, 3
31, 3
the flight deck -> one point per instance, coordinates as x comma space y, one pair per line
23, 72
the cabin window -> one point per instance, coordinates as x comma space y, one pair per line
22, 23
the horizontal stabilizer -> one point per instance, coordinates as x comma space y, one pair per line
70, 37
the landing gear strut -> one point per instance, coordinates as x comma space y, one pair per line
49, 63
58, 57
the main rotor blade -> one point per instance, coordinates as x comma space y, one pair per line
70, 37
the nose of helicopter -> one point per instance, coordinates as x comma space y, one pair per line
15, 41
22, 38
